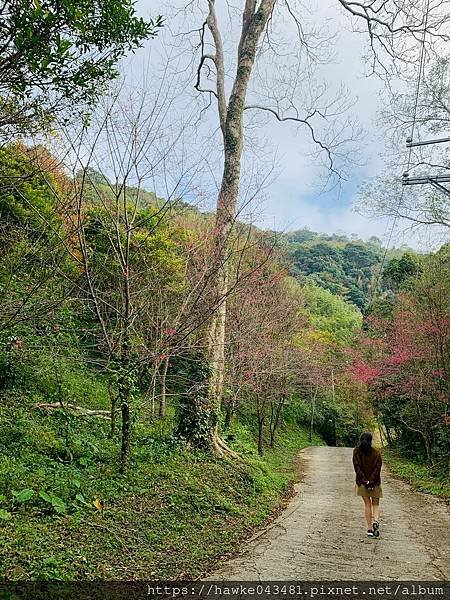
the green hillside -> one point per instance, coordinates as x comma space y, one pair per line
347, 267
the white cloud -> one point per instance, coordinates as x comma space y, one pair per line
294, 199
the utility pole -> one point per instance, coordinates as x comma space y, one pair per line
435, 180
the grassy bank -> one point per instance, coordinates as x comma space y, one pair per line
421, 477
67, 514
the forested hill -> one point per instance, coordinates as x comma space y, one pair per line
96, 187
345, 266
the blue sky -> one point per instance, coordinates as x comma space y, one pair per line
294, 198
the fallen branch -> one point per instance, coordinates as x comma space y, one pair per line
78, 410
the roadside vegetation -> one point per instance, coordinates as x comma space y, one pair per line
66, 513
421, 477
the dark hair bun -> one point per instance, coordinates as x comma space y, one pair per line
365, 443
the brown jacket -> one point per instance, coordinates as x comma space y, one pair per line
367, 468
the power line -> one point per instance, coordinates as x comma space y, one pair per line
408, 161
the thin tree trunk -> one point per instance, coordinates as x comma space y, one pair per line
271, 425
162, 397
126, 438
229, 412
428, 448
153, 390
261, 436
275, 420
113, 399
313, 413
125, 380
388, 434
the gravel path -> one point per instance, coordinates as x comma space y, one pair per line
322, 533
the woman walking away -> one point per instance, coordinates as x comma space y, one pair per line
367, 463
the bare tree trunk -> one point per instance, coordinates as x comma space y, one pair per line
313, 413
126, 435
261, 436
388, 433
428, 447
231, 121
153, 390
113, 399
162, 398
125, 392
124, 397
275, 419
230, 407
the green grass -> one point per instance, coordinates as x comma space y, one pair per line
172, 515
421, 477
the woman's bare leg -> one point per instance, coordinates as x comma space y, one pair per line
368, 511
376, 508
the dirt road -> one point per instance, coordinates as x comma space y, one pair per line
322, 533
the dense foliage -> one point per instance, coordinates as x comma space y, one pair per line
60, 54
102, 365
87, 282
344, 267
403, 357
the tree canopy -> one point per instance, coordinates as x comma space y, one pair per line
57, 54
343, 267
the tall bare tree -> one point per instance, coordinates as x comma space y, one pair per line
392, 28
